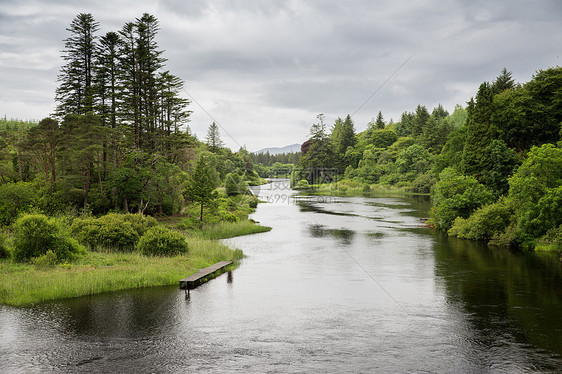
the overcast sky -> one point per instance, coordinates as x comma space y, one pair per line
264, 69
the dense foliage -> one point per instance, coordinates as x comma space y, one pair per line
4, 251
117, 143
492, 168
36, 234
160, 241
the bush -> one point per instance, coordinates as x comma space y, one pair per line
140, 222
546, 214
551, 241
302, 185
114, 231
160, 241
455, 196
234, 185
45, 261
35, 235
423, 183
508, 238
4, 251
227, 217
487, 222
253, 202
190, 223
15, 198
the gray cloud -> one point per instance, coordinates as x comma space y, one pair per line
265, 69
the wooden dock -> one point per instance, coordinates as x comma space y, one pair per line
194, 280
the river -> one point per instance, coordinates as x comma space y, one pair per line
340, 285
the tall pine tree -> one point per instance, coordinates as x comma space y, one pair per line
75, 93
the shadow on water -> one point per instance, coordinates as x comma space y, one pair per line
342, 236
506, 294
127, 314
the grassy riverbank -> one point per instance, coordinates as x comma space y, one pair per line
104, 270
97, 272
225, 230
350, 188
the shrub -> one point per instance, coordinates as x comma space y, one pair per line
15, 198
546, 214
48, 260
35, 235
161, 241
487, 222
455, 196
227, 217
551, 241
4, 251
302, 185
253, 202
112, 231
508, 238
423, 183
140, 222
234, 185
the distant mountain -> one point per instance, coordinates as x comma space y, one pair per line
287, 149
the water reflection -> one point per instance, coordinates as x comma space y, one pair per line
517, 294
353, 284
342, 236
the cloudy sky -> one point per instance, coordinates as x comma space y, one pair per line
264, 69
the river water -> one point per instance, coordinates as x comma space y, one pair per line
340, 285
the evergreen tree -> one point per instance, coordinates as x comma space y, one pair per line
379, 124
436, 130
173, 113
76, 91
335, 135
478, 131
107, 78
319, 159
503, 82
406, 125
420, 120
343, 135
130, 98
201, 186
150, 61
214, 141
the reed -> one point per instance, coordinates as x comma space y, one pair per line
224, 230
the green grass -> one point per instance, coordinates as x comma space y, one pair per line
548, 247
25, 284
108, 269
224, 230
344, 189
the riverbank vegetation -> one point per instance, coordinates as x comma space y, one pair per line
88, 194
97, 272
491, 167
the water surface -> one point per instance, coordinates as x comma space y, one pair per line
340, 285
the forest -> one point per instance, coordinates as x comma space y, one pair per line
118, 147
116, 153
493, 168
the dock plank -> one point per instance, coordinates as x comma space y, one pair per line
192, 280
